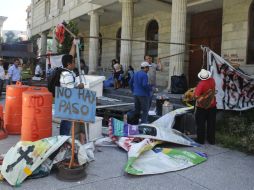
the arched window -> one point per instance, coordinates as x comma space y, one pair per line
118, 44
100, 50
152, 33
250, 51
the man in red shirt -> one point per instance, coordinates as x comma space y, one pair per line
205, 113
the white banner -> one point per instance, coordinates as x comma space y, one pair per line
235, 89
55, 61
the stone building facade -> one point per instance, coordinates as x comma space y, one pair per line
226, 26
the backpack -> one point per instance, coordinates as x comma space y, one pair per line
205, 100
54, 79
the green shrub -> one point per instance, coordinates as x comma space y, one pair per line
236, 130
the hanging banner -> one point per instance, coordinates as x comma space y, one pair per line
235, 89
55, 61
160, 129
75, 104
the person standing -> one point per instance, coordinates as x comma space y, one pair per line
205, 113
38, 71
2, 76
117, 75
152, 74
67, 80
14, 72
141, 90
49, 71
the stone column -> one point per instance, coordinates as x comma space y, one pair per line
54, 42
178, 32
127, 28
43, 43
94, 43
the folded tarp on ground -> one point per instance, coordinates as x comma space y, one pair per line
145, 159
26, 158
140, 141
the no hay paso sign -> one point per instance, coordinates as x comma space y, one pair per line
75, 104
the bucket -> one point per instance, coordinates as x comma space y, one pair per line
13, 108
159, 102
37, 114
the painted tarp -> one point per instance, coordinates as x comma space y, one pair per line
140, 141
160, 130
235, 89
23, 158
31, 159
144, 159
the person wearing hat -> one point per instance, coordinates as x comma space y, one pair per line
141, 90
205, 112
2, 76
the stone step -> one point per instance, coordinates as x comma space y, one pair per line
124, 98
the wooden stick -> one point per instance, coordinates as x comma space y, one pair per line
179, 53
72, 145
73, 35
86, 131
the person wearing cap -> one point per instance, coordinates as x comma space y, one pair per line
205, 113
2, 76
141, 90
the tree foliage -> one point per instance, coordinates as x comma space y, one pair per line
33, 39
65, 47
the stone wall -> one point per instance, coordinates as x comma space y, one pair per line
138, 48
235, 32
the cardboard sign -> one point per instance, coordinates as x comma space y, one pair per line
75, 104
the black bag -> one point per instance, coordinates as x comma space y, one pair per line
54, 79
178, 84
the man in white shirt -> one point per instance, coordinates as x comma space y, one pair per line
14, 72
67, 80
2, 76
38, 71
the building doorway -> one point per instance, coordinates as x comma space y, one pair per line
250, 55
206, 29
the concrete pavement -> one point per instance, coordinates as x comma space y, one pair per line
224, 170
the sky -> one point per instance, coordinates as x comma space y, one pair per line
15, 10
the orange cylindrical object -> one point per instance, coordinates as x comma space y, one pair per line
13, 108
37, 114
3, 133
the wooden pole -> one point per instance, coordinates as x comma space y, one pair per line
72, 145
